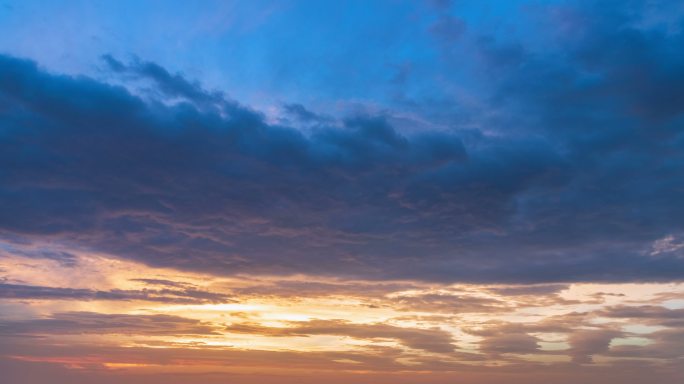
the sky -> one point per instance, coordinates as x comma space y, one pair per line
302, 191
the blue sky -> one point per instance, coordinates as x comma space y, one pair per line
331, 55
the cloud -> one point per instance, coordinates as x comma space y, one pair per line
651, 314
533, 290
663, 344
573, 181
170, 85
87, 362
298, 288
523, 147
586, 343
667, 244
100, 323
512, 343
431, 340
187, 295
162, 282
302, 114
449, 303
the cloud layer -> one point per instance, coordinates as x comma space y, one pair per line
203, 183
565, 165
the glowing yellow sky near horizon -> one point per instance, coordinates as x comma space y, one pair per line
322, 323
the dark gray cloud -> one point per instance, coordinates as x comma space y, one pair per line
100, 323
449, 303
574, 180
586, 343
186, 295
513, 343
65, 259
530, 290
649, 314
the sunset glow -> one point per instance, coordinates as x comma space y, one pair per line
372, 192
160, 321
